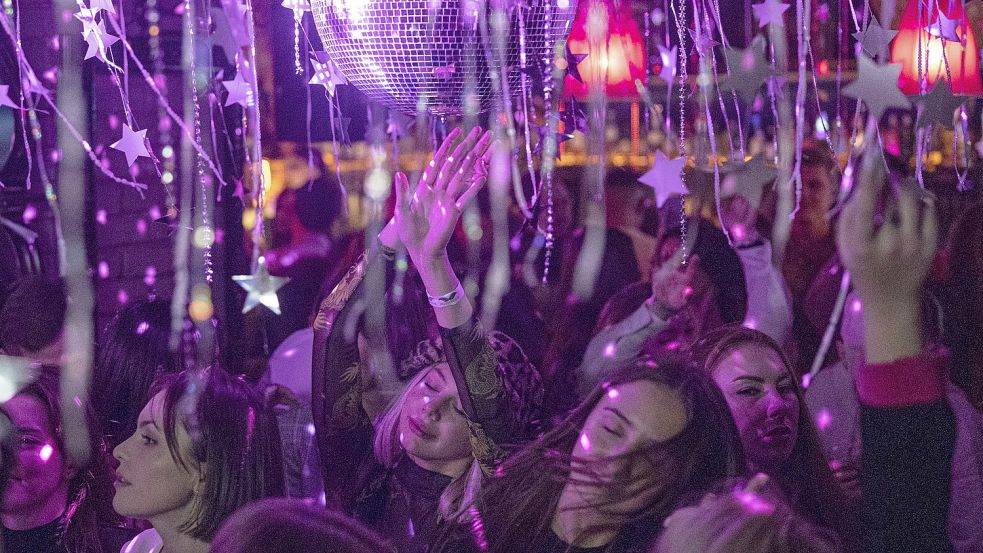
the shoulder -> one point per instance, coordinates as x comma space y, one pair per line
148, 541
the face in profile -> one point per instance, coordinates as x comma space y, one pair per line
432, 426
628, 419
761, 394
150, 483
39, 476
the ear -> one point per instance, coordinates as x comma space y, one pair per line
198, 480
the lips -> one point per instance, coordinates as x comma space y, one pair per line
120, 481
416, 427
781, 432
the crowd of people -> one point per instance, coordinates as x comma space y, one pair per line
671, 410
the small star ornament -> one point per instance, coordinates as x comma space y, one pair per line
669, 59
87, 17
326, 72
665, 177
239, 91
770, 11
939, 105
299, 7
261, 288
5, 97
748, 180
945, 28
573, 60
99, 40
875, 39
133, 144
877, 86
748, 69
703, 43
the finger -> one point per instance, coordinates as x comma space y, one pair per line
455, 160
430, 173
861, 208
402, 185
470, 193
930, 226
472, 162
908, 210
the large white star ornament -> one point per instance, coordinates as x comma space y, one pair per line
96, 5
665, 177
261, 288
748, 180
877, 86
133, 144
770, 11
239, 91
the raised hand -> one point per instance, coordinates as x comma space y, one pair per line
888, 258
425, 218
740, 218
672, 285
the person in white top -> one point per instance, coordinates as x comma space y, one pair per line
205, 445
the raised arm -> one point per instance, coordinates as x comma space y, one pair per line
425, 218
908, 427
769, 302
622, 341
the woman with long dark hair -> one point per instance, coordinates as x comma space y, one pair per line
405, 465
55, 501
653, 433
773, 419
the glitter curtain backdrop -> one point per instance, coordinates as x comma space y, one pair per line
401, 52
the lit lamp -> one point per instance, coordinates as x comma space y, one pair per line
619, 62
960, 48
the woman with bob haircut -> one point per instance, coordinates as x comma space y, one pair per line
205, 445
55, 501
294, 526
405, 467
775, 426
750, 517
655, 432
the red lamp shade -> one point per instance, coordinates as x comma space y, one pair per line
962, 56
619, 61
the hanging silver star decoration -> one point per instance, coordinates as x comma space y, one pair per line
325, 72
747, 69
770, 11
875, 39
239, 91
943, 27
261, 288
230, 32
702, 42
133, 144
98, 41
877, 86
748, 180
665, 177
572, 61
669, 59
939, 105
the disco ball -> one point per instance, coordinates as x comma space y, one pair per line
411, 54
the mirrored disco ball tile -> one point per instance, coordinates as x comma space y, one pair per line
399, 52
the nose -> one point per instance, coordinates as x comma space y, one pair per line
776, 404
118, 451
432, 409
